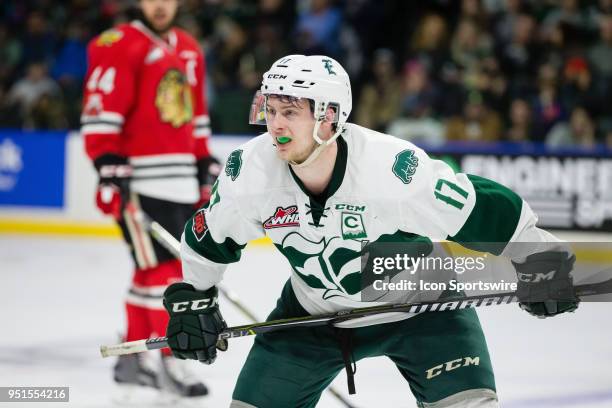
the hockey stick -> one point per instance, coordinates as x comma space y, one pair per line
344, 315
167, 240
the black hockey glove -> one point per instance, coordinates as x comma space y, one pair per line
195, 322
208, 171
545, 286
112, 194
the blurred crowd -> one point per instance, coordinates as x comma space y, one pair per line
427, 71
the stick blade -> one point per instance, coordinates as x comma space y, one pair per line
129, 347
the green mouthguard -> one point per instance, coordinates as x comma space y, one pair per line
283, 139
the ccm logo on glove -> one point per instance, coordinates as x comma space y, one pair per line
200, 304
536, 277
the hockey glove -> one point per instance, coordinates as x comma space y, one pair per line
113, 185
195, 322
545, 286
208, 171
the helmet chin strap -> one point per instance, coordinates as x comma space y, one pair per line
322, 144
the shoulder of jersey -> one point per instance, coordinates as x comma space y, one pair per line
123, 39
186, 39
371, 146
254, 167
383, 164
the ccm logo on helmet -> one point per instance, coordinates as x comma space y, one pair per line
200, 304
277, 76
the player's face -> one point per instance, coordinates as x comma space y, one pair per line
292, 119
159, 13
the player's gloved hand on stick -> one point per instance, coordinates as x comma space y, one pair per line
208, 171
114, 174
195, 322
545, 285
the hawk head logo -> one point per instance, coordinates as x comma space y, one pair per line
173, 99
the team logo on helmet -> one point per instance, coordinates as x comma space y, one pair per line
405, 165
283, 217
173, 99
234, 164
329, 67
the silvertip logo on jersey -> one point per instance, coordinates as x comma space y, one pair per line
405, 165
283, 217
234, 164
199, 226
330, 264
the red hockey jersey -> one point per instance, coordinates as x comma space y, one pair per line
144, 99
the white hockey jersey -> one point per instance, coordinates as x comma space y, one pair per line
381, 188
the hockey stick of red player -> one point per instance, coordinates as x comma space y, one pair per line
333, 318
167, 240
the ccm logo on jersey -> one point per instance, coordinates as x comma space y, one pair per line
452, 365
194, 305
199, 226
283, 217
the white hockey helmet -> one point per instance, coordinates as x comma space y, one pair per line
316, 77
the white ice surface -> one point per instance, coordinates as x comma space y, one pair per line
60, 298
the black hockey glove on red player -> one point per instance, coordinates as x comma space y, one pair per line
545, 285
208, 171
114, 174
195, 322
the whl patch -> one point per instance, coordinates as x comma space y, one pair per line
283, 217
199, 227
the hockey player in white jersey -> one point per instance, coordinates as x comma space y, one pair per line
319, 186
